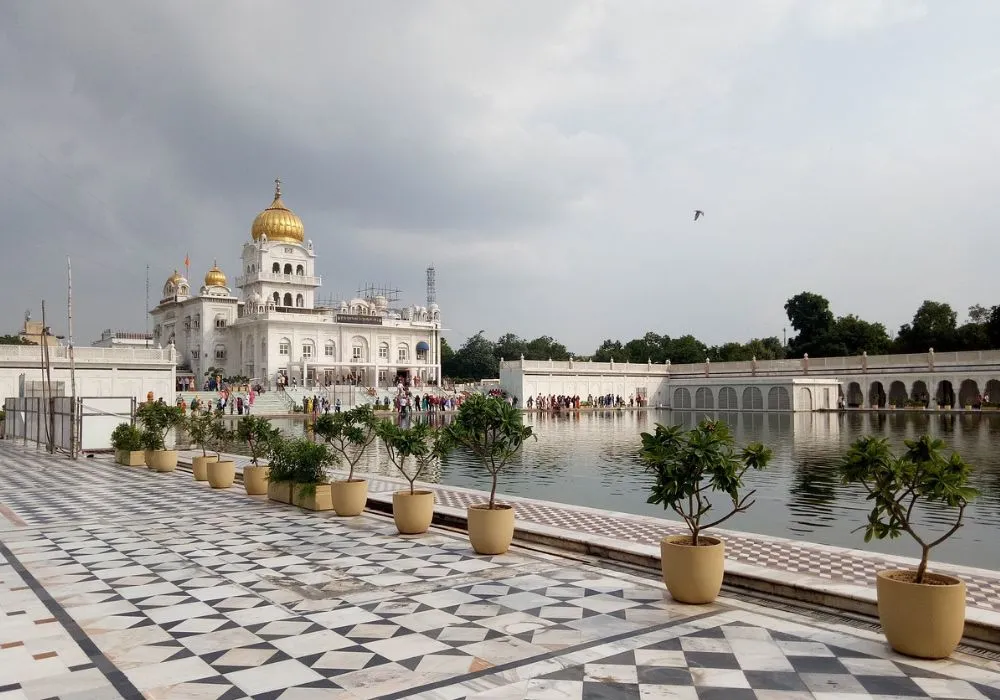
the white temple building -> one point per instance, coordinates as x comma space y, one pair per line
274, 328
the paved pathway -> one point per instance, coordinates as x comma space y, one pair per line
119, 582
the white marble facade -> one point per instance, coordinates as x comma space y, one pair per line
274, 326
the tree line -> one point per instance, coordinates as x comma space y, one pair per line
818, 333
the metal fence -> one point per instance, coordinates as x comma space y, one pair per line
83, 424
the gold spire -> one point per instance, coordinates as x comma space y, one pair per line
215, 277
278, 222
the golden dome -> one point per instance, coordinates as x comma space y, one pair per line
278, 222
175, 278
215, 277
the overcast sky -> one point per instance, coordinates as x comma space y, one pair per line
547, 157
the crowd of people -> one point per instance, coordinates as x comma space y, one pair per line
572, 403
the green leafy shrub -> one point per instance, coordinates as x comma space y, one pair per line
689, 464
896, 484
492, 430
158, 418
349, 434
126, 436
412, 450
257, 433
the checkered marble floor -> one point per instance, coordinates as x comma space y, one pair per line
274, 602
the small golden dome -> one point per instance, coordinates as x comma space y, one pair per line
215, 277
278, 222
175, 278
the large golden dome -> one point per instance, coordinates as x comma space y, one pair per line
278, 222
215, 277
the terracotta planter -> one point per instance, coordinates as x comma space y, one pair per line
318, 499
130, 458
221, 474
199, 466
925, 620
490, 531
692, 574
255, 480
413, 512
161, 460
349, 497
280, 491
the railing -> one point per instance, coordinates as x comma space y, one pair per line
857, 363
60, 353
277, 277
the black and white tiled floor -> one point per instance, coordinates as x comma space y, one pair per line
223, 596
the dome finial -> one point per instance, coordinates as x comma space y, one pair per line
277, 188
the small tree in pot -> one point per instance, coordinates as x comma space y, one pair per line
157, 420
257, 433
688, 465
281, 455
922, 613
349, 434
412, 450
127, 441
493, 431
221, 473
199, 428
310, 485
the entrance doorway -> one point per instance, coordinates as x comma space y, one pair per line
403, 377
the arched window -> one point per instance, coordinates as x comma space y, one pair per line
383, 351
284, 346
299, 270
220, 352
288, 268
288, 298
329, 350
277, 298
307, 349
197, 321
220, 321
275, 267
403, 352
300, 301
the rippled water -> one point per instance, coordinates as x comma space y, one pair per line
590, 459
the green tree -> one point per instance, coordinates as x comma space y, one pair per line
933, 326
476, 359
510, 347
686, 350
546, 348
447, 359
609, 350
858, 336
14, 340
769, 348
812, 319
979, 314
650, 347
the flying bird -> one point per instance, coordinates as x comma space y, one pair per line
698, 213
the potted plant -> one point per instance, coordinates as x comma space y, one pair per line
157, 420
310, 485
493, 431
199, 426
688, 465
922, 613
412, 450
221, 472
127, 441
349, 434
281, 469
257, 433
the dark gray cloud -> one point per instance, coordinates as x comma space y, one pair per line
545, 156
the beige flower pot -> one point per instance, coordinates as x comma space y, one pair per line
692, 574
221, 474
161, 460
413, 512
130, 458
317, 498
280, 491
199, 466
925, 620
255, 480
349, 497
490, 531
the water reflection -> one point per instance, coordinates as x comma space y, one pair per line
591, 459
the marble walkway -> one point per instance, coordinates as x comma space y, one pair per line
119, 582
